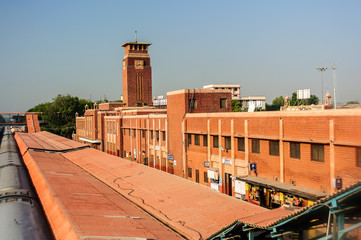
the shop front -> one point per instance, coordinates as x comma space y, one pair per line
273, 194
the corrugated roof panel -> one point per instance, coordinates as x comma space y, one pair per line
78, 204
189, 207
46, 141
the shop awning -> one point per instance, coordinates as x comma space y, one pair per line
283, 187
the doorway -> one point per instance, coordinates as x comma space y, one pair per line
228, 184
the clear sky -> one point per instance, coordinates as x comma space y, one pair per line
270, 48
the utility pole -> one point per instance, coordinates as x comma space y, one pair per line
334, 85
321, 69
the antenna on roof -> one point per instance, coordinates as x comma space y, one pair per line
136, 36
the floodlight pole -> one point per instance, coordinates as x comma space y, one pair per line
321, 69
334, 85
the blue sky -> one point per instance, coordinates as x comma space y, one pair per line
270, 48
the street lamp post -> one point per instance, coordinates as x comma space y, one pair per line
334, 84
321, 69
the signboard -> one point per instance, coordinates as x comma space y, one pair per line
206, 164
157, 148
135, 153
303, 94
227, 161
253, 166
175, 163
240, 187
170, 157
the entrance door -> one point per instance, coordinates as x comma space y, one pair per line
197, 176
228, 184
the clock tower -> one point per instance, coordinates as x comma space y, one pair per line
137, 74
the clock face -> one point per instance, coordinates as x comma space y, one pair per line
139, 64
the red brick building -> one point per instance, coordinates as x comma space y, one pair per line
269, 158
137, 75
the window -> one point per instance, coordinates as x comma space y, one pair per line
205, 177
157, 134
241, 145
358, 157
223, 103
189, 139
317, 152
143, 133
274, 148
255, 146
197, 140
163, 136
134, 133
205, 140
227, 143
190, 172
192, 103
295, 150
151, 134
215, 142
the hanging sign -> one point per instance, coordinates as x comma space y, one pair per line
253, 166
227, 161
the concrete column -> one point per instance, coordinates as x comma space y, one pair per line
282, 163
209, 142
184, 150
233, 149
136, 141
160, 144
154, 151
131, 140
166, 143
332, 154
221, 168
148, 140
246, 144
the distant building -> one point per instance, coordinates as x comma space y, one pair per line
234, 88
301, 107
253, 103
160, 102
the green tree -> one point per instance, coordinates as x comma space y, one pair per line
294, 101
353, 102
236, 106
59, 115
313, 100
277, 103
40, 108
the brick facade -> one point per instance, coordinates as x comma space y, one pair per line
137, 75
188, 133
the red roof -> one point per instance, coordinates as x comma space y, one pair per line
46, 141
194, 210
79, 206
190, 208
